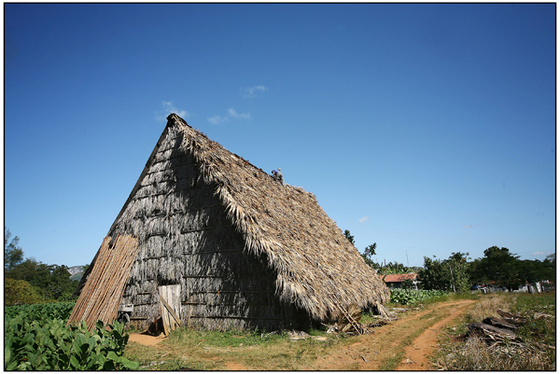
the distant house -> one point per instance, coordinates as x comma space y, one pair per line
396, 280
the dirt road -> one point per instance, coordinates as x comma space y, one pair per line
404, 344
423, 346
415, 333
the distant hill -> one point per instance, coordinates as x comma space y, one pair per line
76, 272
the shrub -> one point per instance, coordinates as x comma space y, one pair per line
20, 292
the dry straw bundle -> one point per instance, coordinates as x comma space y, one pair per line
102, 294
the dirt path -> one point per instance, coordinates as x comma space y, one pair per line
372, 351
416, 354
145, 339
404, 344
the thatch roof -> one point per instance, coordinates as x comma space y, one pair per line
316, 266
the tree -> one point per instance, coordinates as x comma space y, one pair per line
498, 266
368, 253
13, 254
549, 268
349, 236
61, 287
504, 269
448, 275
370, 249
433, 276
394, 268
20, 292
459, 271
50, 282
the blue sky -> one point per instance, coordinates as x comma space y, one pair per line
426, 128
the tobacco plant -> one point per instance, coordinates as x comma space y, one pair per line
411, 297
41, 312
52, 345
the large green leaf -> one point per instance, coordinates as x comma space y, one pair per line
7, 354
75, 363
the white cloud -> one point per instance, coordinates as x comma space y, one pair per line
168, 108
236, 115
217, 120
363, 219
250, 92
467, 227
231, 114
541, 253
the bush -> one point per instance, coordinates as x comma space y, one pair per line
20, 292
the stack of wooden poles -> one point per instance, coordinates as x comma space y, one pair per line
101, 296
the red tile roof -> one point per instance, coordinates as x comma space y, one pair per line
395, 278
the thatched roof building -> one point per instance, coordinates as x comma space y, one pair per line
239, 249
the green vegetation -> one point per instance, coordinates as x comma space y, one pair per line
13, 254
37, 338
541, 330
451, 274
29, 281
535, 348
230, 338
217, 350
40, 312
498, 267
505, 269
411, 297
20, 292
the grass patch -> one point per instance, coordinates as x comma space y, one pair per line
393, 362
212, 350
232, 338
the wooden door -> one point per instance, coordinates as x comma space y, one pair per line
170, 306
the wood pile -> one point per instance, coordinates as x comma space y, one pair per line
497, 330
516, 319
349, 320
385, 313
500, 335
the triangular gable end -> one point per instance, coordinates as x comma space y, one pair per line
243, 250
185, 237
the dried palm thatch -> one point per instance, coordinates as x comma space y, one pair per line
246, 250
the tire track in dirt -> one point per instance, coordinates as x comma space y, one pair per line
417, 354
371, 351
